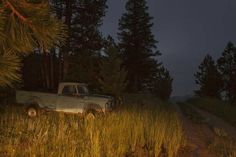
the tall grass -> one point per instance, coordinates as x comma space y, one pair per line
223, 147
220, 108
128, 132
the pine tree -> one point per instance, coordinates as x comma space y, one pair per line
87, 40
24, 26
208, 78
112, 75
84, 68
86, 35
227, 68
161, 83
137, 43
9, 68
65, 11
84, 42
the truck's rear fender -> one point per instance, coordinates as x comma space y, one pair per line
34, 100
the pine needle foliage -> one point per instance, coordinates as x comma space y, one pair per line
208, 78
227, 67
29, 24
137, 43
161, 85
24, 26
9, 65
113, 76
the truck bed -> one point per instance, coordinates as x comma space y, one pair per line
50, 101
43, 99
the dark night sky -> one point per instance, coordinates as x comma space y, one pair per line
186, 30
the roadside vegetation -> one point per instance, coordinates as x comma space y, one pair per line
223, 147
137, 130
220, 108
217, 95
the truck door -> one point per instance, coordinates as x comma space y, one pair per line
69, 101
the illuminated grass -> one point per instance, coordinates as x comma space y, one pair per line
151, 130
223, 147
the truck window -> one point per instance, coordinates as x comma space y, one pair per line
83, 90
69, 90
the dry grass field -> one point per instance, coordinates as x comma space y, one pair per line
141, 128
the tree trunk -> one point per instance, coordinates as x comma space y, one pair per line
46, 68
60, 70
52, 84
66, 50
43, 73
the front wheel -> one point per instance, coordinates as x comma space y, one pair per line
93, 113
90, 116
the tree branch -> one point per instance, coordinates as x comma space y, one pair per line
36, 6
19, 15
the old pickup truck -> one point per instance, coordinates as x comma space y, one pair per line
71, 98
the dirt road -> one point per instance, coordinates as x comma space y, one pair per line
217, 123
199, 136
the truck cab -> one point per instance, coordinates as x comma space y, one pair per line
73, 89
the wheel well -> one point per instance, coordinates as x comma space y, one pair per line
32, 105
34, 102
92, 107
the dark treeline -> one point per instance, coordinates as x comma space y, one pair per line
87, 56
218, 79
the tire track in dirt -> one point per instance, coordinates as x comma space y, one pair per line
198, 137
217, 123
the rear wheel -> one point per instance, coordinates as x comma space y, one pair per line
32, 111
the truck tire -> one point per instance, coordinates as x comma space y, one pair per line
32, 111
90, 114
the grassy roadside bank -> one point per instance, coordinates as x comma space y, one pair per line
221, 109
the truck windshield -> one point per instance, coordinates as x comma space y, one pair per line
83, 90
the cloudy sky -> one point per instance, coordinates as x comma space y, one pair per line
187, 30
